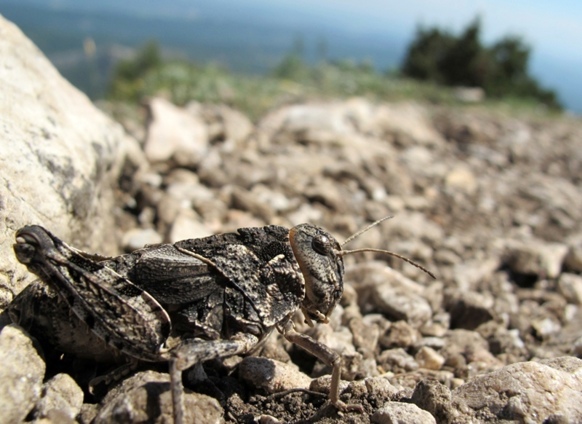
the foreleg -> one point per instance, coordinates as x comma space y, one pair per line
328, 357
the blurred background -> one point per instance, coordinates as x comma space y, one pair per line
248, 53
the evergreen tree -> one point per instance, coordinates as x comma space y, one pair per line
501, 70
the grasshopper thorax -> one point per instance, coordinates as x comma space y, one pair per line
318, 254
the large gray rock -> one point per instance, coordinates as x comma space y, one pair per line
543, 391
59, 157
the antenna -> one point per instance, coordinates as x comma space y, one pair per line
387, 252
362, 231
370, 249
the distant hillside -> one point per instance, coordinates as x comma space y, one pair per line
250, 38
248, 47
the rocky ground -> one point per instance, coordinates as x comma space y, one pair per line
491, 204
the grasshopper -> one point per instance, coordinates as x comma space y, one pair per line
200, 299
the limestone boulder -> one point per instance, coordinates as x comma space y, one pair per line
58, 160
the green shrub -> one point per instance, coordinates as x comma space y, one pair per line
293, 79
127, 80
501, 69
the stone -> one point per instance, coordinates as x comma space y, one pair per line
246, 201
174, 135
573, 260
137, 238
546, 326
340, 339
232, 124
570, 286
399, 334
317, 123
447, 257
535, 257
305, 213
21, 372
397, 361
189, 193
399, 413
397, 299
461, 178
57, 147
322, 384
464, 347
428, 358
61, 393
503, 341
407, 119
187, 225
557, 209
167, 211
236, 219
88, 413
469, 310
420, 160
365, 336
468, 275
436, 343
276, 200
381, 386
436, 398
271, 375
327, 193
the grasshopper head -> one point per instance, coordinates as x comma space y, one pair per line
318, 254
320, 258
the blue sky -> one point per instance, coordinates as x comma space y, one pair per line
553, 29
547, 25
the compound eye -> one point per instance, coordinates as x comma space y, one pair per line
320, 245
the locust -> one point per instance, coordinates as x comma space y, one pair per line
200, 299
